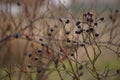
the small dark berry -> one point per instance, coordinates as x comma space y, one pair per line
61, 50
78, 32
51, 30
116, 11
56, 63
41, 39
80, 67
55, 26
88, 19
81, 74
74, 41
102, 18
39, 50
88, 13
91, 20
95, 24
29, 65
44, 44
96, 34
60, 20
18, 3
78, 26
68, 40
78, 22
71, 54
64, 66
16, 35
39, 71
90, 30
82, 44
36, 59
30, 55
67, 32
67, 21
49, 34
91, 15
118, 71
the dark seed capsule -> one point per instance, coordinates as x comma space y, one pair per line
81, 74
67, 21
80, 67
96, 34
41, 39
118, 71
51, 30
90, 30
18, 3
67, 32
116, 11
55, 26
91, 15
56, 63
39, 71
36, 59
68, 40
72, 54
88, 19
49, 34
60, 20
39, 50
102, 18
64, 66
88, 13
78, 32
30, 55
91, 20
95, 24
16, 35
82, 44
78, 26
78, 22
29, 65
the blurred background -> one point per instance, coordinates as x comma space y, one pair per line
75, 5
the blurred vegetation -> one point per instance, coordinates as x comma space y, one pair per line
45, 42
